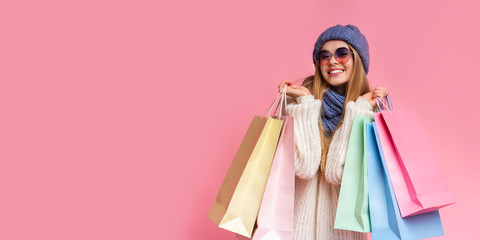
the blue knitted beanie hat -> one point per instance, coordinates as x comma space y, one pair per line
350, 34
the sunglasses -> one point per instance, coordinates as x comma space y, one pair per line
341, 54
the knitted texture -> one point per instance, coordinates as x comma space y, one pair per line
316, 193
332, 108
307, 160
350, 34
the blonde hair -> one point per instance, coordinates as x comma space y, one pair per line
356, 86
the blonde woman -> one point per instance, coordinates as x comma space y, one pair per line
324, 108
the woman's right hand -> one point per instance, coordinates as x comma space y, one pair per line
294, 90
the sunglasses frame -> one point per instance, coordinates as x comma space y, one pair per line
318, 61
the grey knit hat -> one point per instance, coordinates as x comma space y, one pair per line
350, 34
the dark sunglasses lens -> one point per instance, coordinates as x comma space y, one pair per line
342, 54
323, 55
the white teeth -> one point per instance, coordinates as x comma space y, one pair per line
335, 71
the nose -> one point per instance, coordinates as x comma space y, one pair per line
332, 60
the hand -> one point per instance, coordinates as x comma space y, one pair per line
294, 90
380, 92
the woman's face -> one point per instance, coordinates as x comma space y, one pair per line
336, 78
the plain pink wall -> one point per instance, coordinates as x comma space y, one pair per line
119, 119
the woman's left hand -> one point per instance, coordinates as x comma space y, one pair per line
379, 91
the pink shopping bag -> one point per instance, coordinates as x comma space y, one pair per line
416, 175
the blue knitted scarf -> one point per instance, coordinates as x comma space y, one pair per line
332, 108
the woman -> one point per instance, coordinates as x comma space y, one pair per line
323, 109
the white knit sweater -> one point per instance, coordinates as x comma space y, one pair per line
316, 194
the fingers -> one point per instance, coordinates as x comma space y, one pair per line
282, 84
369, 97
380, 92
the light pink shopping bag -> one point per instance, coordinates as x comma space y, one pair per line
416, 175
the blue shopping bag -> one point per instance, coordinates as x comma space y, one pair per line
385, 217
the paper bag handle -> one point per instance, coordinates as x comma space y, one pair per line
282, 95
387, 104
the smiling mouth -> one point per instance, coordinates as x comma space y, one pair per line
335, 72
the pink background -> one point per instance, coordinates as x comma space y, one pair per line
119, 119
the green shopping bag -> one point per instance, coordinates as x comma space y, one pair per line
352, 209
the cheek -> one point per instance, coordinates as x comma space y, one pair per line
349, 75
324, 73
350, 70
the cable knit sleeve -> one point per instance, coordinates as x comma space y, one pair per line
308, 152
337, 151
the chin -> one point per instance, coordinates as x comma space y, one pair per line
336, 82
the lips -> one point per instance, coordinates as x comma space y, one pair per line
335, 71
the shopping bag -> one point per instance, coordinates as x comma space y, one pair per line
385, 218
275, 218
240, 195
417, 178
352, 209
